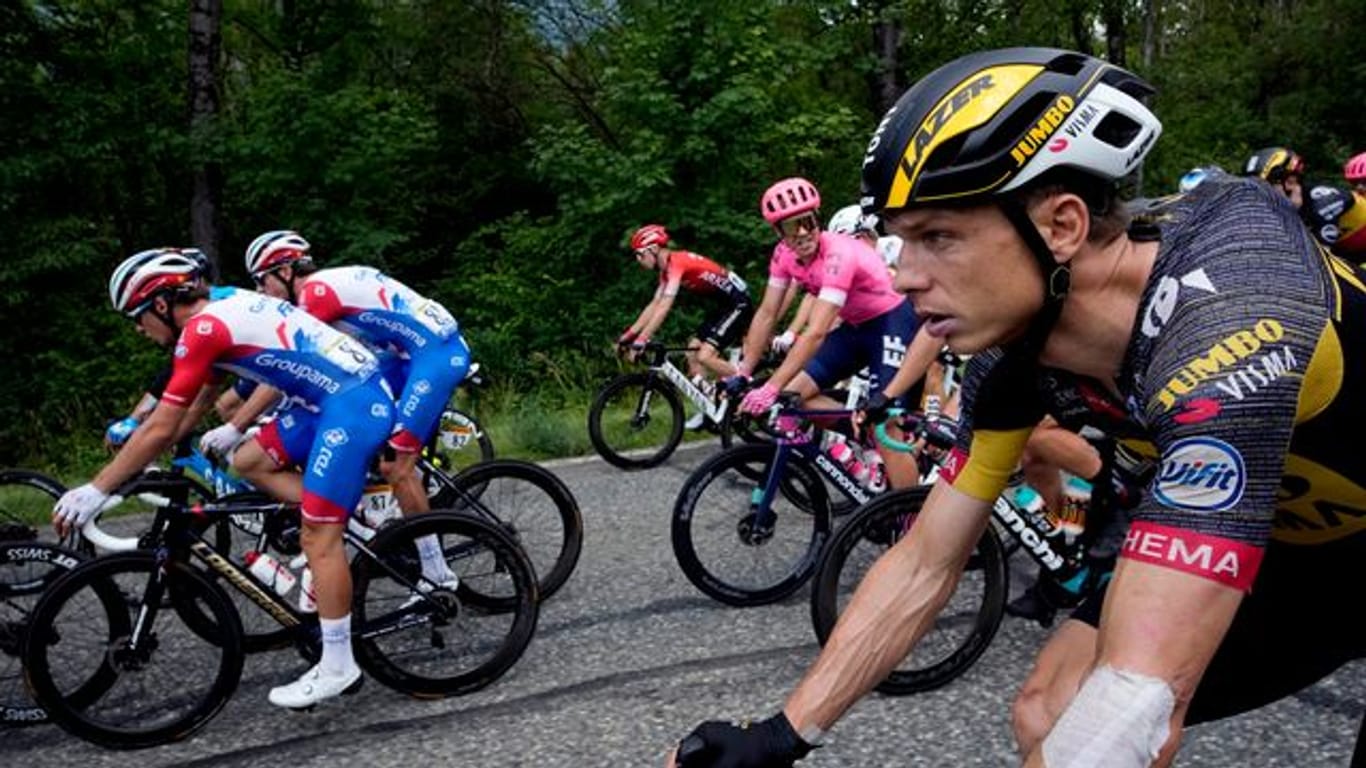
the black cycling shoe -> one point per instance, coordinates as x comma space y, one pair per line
1031, 604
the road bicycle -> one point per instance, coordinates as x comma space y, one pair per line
965, 627
135, 649
27, 568
750, 522
636, 419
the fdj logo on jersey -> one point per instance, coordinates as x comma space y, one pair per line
1200, 473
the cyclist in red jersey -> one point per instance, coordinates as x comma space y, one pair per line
699, 275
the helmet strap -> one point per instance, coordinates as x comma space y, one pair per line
167, 318
1057, 278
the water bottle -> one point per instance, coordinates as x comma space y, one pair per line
1076, 499
877, 472
848, 457
378, 505
1030, 504
307, 595
270, 572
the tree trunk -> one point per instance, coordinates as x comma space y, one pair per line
1115, 39
206, 21
887, 34
1081, 26
1151, 9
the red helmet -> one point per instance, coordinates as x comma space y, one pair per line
148, 274
788, 198
648, 235
1355, 169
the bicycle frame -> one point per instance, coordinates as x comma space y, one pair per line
716, 411
172, 540
785, 446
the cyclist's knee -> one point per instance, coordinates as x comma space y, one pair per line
250, 460
395, 465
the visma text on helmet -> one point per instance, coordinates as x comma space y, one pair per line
300, 371
407, 332
1039, 133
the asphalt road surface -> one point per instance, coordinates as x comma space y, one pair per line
629, 656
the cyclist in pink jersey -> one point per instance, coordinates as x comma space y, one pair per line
731, 308
339, 403
850, 282
422, 354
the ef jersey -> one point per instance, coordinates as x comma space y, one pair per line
1245, 356
846, 272
268, 341
376, 309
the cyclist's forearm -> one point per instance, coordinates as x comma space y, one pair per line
895, 605
261, 400
661, 306
195, 413
920, 354
756, 339
154, 436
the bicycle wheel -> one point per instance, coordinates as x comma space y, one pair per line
636, 421
26, 500
963, 629
442, 642
26, 569
82, 667
531, 505
716, 542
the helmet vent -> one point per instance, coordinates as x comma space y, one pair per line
1117, 130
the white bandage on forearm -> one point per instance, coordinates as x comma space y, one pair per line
1118, 719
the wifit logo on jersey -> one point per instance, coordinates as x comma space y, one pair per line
1200, 473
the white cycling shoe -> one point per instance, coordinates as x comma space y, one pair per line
449, 582
315, 686
696, 421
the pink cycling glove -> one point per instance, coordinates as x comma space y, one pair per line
759, 400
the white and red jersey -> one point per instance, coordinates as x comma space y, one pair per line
376, 309
269, 341
699, 274
845, 271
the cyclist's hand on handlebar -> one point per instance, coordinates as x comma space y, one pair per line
875, 407
770, 743
759, 400
732, 386
221, 439
75, 508
783, 342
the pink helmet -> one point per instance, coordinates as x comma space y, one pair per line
648, 235
1355, 169
788, 198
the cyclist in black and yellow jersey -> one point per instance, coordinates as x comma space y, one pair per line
1219, 331
1335, 215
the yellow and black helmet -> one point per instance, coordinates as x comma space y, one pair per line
1274, 164
990, 122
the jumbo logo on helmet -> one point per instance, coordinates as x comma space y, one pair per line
973, 102
1040, 131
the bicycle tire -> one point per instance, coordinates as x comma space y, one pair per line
532, 505
622, 447
714, 539
26, 501
497, 593
48, 652
27, 569
961, 632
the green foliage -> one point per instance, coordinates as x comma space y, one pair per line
497, 155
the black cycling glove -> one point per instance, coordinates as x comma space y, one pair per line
875, 408
770, 743
734, 386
